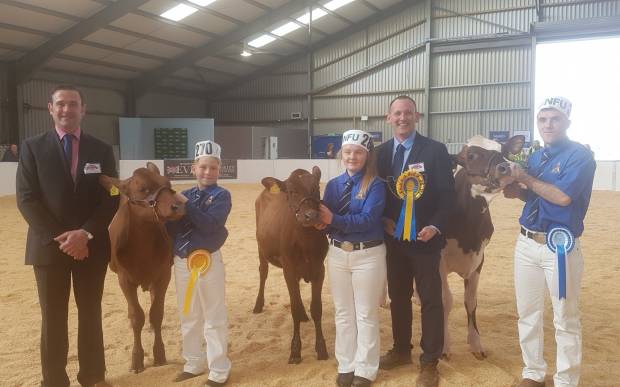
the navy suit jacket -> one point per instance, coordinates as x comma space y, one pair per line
439, 197
52, 203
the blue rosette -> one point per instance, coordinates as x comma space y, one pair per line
560, 241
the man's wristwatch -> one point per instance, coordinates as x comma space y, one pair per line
88, 235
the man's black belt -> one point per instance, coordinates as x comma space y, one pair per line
352, 246
539, 237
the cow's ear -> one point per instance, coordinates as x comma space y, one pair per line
316, 172
273, 184
110, 183
461, 157
514, 145
152, 167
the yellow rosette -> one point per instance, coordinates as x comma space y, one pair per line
409, 187
198, 263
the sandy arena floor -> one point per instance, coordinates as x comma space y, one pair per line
259, 344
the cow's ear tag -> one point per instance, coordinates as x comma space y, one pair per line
114, 191
274, 189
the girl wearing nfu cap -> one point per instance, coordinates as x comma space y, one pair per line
199, 271
356, 264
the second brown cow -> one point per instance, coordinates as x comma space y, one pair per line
286, 212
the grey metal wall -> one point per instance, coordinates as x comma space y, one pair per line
469, 64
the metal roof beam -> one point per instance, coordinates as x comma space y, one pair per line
376, 18
151, 78
34, 60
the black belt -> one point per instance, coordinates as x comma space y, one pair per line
352, 246
539, 237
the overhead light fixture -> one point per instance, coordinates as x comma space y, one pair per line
202, 3
285, 29
179, 12
246, 53
261, 41
335, 4
316, 14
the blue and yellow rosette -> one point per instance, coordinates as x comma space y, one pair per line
409, 187
198, 263
560, 241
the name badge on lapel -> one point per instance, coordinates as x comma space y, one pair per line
419, 167
90, 168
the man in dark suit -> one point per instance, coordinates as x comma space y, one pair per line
419, 259
68, 213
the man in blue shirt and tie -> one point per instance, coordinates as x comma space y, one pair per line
419, 258
558, 183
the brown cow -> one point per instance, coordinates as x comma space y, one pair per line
142, 250
286, 212
483, 172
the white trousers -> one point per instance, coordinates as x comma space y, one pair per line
207, 320
357, 281
533, 274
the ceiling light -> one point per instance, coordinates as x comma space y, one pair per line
316, 14
246, 53
335, 4
202, 3
285, 29
261, 41
179, 12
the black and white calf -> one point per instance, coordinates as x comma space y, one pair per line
482, 172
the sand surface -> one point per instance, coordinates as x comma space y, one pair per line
259, 344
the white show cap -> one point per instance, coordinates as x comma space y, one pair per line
207, 148
357, 137
484, 143
561, 104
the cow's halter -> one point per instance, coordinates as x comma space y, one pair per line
302, 201
151, 200
492, 181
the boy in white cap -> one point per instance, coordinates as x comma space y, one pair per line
559, 184
207, 207
356, 264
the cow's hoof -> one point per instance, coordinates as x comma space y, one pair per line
294, 359
257, 309
445, 356
160, 362
479, 355
136, 370
321, 351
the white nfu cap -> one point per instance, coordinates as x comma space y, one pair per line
207, 148
357, 137
560, 104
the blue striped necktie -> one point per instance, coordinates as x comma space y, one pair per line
184, 238
399, 159
345, 198
544, 159
67, 146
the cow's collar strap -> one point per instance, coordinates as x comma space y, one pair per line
302, 201
150, 201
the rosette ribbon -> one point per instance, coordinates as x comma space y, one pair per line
198, 263
409, 186
560, 241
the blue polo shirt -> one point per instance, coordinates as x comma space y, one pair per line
571, 169
362, 223
206, 212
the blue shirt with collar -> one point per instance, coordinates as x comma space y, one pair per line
571, 169
362, 223
206, 212
408, 144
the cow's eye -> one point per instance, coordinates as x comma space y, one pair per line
471, 156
